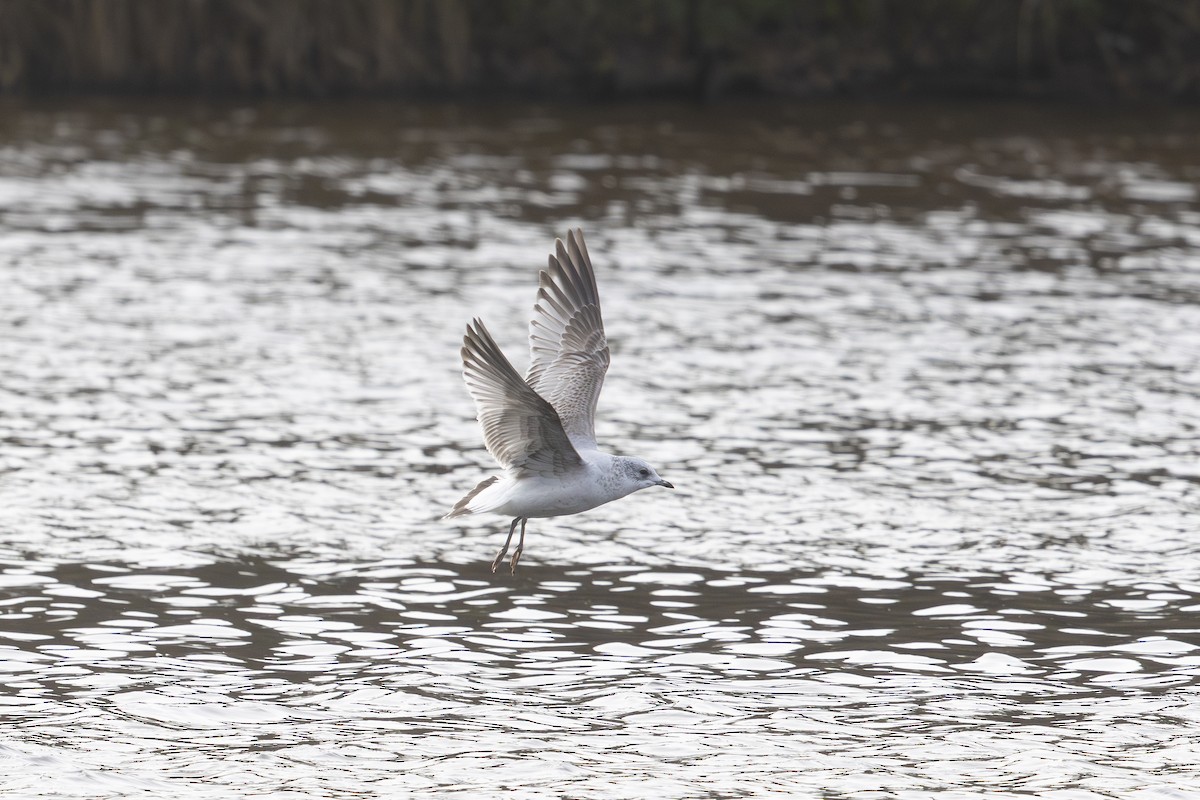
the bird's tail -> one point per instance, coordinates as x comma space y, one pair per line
463, 507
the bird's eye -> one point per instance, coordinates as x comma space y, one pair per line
644, 473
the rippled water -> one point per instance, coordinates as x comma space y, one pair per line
926, 379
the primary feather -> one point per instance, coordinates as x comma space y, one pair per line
568, 348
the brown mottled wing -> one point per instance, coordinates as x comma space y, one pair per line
520, 429
567, 345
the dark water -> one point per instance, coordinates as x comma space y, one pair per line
926, 378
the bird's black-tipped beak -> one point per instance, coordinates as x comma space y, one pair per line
667, 484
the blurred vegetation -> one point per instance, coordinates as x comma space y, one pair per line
604, 48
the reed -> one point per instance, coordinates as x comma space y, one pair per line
602, 47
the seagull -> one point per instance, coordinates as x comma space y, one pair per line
540, 428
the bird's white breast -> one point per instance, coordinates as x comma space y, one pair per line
593, 484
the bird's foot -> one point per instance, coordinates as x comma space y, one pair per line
516, 556
500, 557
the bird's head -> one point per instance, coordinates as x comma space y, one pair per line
642, 475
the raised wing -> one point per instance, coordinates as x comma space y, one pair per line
520, 429
568, 349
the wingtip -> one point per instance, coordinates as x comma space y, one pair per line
562, 248
476, 328
475, 342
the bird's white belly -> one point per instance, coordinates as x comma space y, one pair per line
554, 497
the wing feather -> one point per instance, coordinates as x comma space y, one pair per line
568, 348
520, 429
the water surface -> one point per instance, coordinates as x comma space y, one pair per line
925, 378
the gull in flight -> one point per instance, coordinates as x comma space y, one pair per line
540, 429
